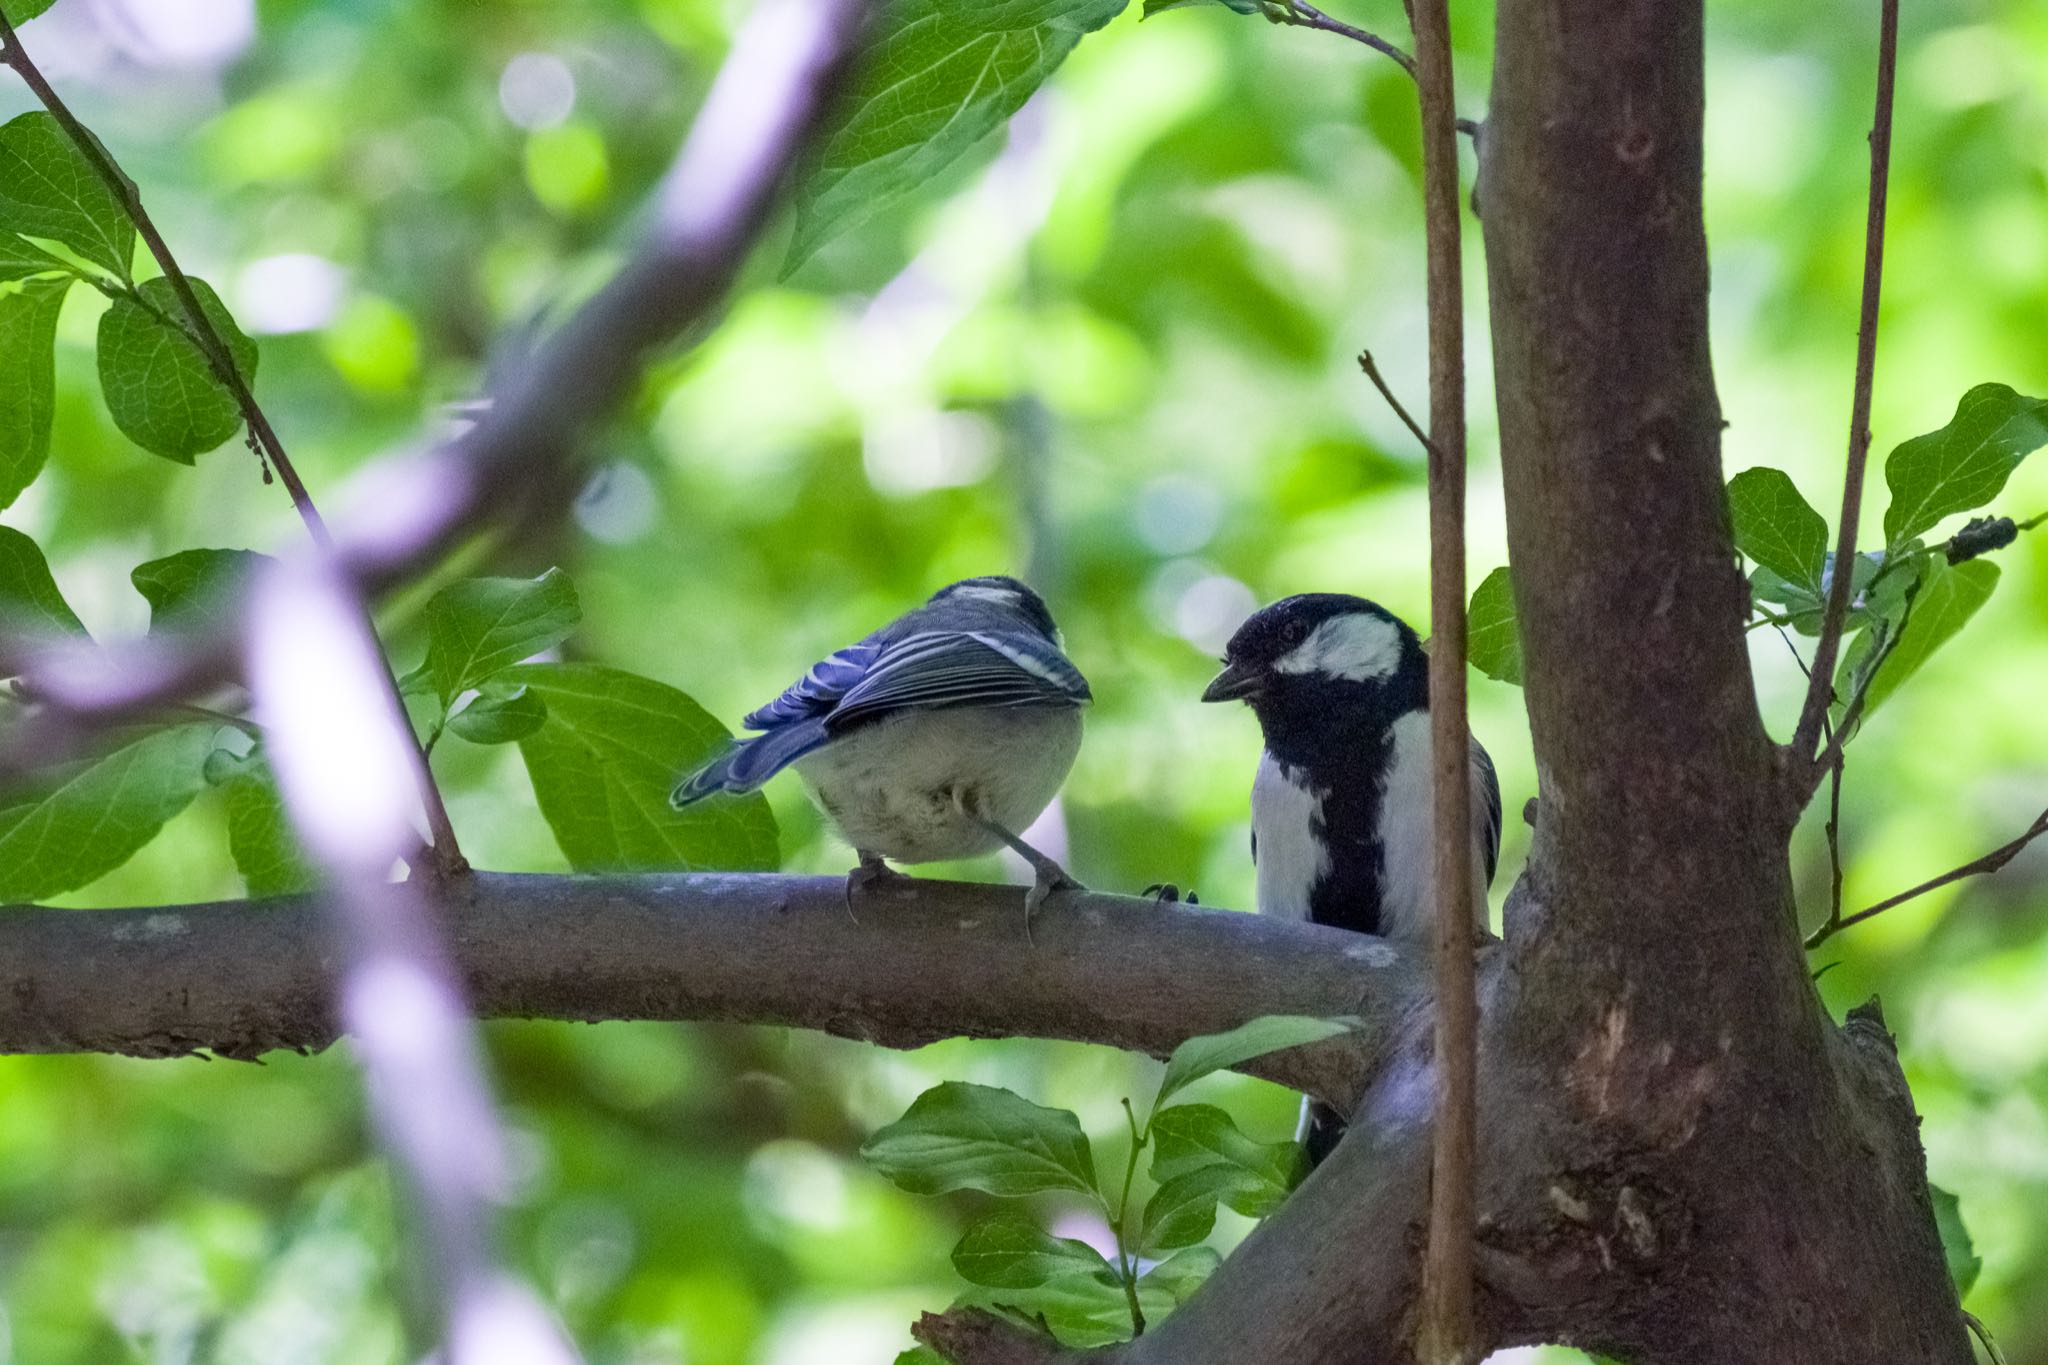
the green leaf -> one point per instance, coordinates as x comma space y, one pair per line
936, 76
194, 590
160, 389
604, 761
1188, 1137
66, 826
1948, 597
20, 259
1181, 1274
957, 1136
921, 1355
29, 600
1007, 1250
21, 11
1197, 1057
1083, 1309
1964, 464
1775, 527
1153, 7
1182, 1211
1963, 1260
49, 189
492, 719
1493, 645
480, 625
28, 341
261, 839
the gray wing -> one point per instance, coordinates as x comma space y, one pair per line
932, 669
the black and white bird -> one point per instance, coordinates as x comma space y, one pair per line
1342, 817
942, 735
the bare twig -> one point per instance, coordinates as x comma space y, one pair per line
1819, 692
1301, 14
1448, 1334
198, 324
1372, 372
1990, 862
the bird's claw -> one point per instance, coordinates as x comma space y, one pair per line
1051, 877
1167, 893
863, 879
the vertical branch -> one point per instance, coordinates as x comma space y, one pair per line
1820, 690
1447, 1333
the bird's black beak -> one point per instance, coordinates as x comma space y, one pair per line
1235, 683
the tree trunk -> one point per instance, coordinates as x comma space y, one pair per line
1732, 1178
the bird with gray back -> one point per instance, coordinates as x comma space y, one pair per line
942, 735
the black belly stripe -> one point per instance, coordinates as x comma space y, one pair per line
1350, 892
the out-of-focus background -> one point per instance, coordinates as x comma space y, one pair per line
1111, 350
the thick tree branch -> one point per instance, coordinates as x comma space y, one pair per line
927, 960
1820, 689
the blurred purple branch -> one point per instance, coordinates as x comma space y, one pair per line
401, 514
337, 733
341, 749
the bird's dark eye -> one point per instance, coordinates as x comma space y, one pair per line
1291, 633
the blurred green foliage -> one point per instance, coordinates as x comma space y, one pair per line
1111, 348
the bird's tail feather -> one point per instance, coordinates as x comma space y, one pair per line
745, 764
1321, 1125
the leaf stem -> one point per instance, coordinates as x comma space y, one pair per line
1127, 1255
447, 854
1820, 691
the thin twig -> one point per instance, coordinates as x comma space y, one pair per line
1379, 381
1448, 1334
447, 852
1301, 14
211, 344
1990, 862
1852, 714
1819, 693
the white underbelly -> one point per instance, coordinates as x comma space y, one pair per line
891, 787
1291, 859
1408, 836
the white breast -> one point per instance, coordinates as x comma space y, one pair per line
1407, 825
890, 786
1290, 859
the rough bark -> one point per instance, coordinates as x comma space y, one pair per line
1762, 1165
925, 960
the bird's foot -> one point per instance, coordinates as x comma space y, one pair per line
1047, 875
1166, 893
864, 878
1050, 877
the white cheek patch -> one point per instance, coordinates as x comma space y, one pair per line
1358, 645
